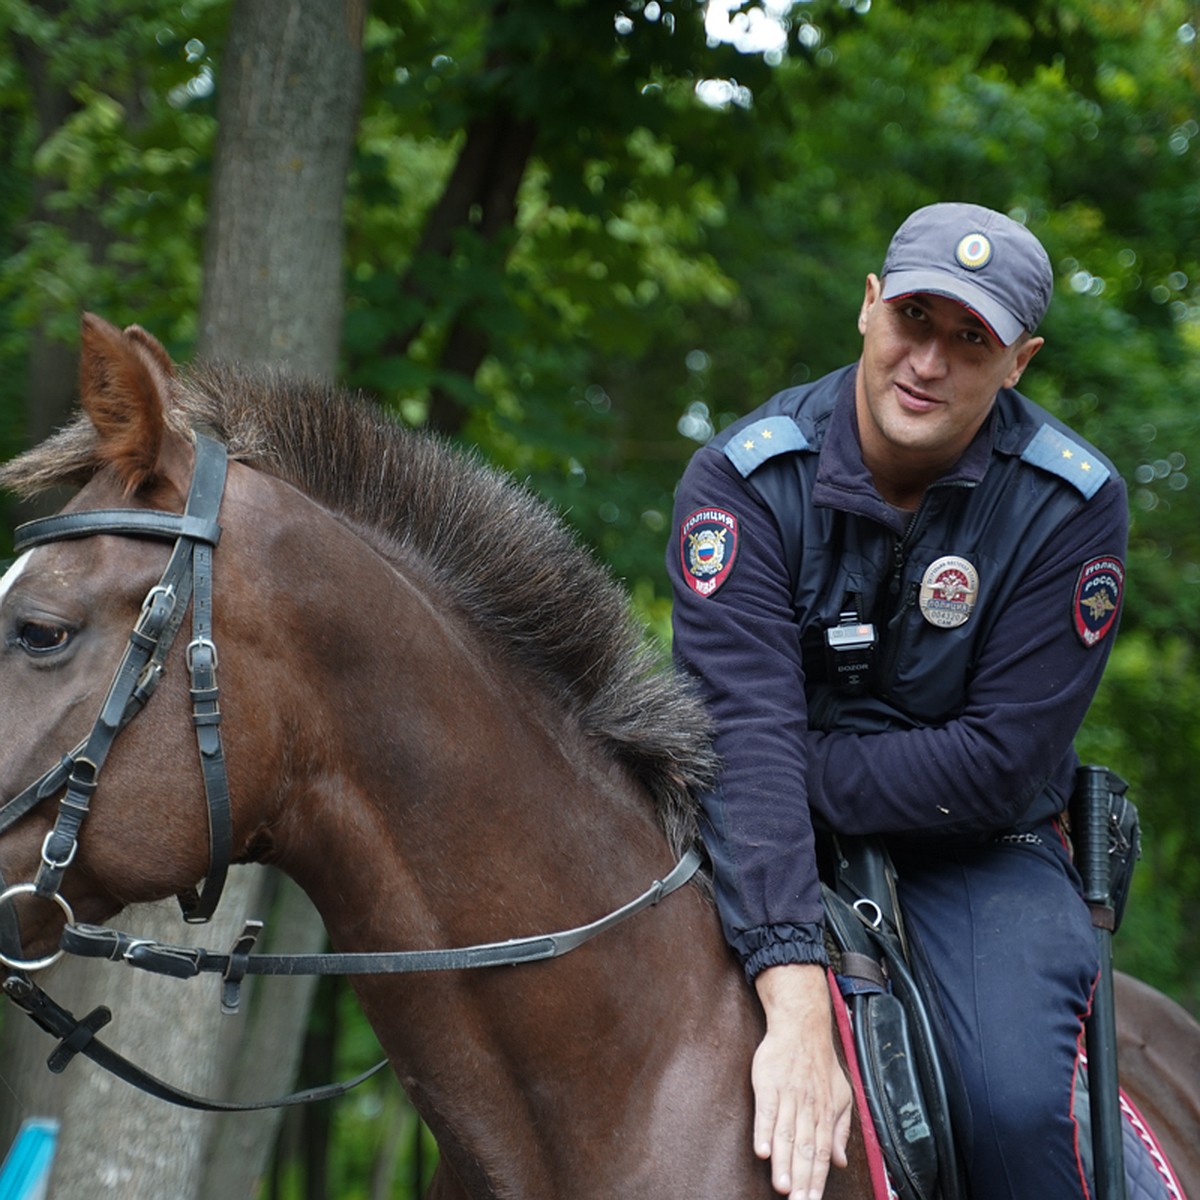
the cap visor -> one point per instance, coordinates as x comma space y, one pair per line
1000, 322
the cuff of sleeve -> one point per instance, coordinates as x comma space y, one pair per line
779, 946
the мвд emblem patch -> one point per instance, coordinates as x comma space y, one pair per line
707, 549
1097, 599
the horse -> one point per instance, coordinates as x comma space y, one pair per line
439, 717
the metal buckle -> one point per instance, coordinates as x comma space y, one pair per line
51, 863
199, 644
179, 962
862, 904
131, 946
165, 591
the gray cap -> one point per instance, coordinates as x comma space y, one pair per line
983, 259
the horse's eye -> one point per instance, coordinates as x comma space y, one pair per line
40, 637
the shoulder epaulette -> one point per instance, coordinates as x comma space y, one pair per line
762, 440
1060, 455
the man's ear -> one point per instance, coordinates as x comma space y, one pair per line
1025, 352
871, 294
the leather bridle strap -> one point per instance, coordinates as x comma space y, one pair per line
198, 905
58, 850
184, 962
195, 533
79, 1036
128, 522
41, 789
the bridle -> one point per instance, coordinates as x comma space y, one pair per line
188, 577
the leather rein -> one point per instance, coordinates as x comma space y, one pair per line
188, 577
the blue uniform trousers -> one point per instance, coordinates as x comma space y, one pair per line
1005, 944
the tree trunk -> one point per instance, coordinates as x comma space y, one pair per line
480, 195
267, 1052
288, 97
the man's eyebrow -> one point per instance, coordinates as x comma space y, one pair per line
969, 315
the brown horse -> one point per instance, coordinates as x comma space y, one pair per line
436, 714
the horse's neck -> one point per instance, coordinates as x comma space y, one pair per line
455, 795
426, 790
428, 797
512, 828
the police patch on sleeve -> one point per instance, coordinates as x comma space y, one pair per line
708, 542
1097, 598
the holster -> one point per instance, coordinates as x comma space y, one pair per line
1124, 846
893, 1035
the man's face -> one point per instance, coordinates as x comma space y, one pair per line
929, 374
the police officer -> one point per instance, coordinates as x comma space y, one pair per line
897, 587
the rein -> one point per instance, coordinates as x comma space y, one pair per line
185, 962
97, 941
188, 576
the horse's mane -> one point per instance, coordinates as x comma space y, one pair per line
498, 552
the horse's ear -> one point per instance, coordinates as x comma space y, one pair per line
124, 383
153, 347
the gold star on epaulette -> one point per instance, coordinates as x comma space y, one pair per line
1086, 466
1068, 454
767, 434
748, 444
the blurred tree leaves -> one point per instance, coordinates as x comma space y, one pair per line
132, 149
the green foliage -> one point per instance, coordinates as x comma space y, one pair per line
106, 132
628, 177
1152, 684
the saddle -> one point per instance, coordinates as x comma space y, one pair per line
893, 1041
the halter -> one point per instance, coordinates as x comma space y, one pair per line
188, 575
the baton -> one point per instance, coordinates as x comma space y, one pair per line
1091, 806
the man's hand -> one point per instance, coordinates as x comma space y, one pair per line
803, 1102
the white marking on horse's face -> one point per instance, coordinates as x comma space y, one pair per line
10, 576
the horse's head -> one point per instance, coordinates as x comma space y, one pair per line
68, 606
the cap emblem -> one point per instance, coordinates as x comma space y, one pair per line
974, 251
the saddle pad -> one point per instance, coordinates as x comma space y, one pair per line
1148, 1174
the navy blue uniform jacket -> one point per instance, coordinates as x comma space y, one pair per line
966, 729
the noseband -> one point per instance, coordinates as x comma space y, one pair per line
188, 576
